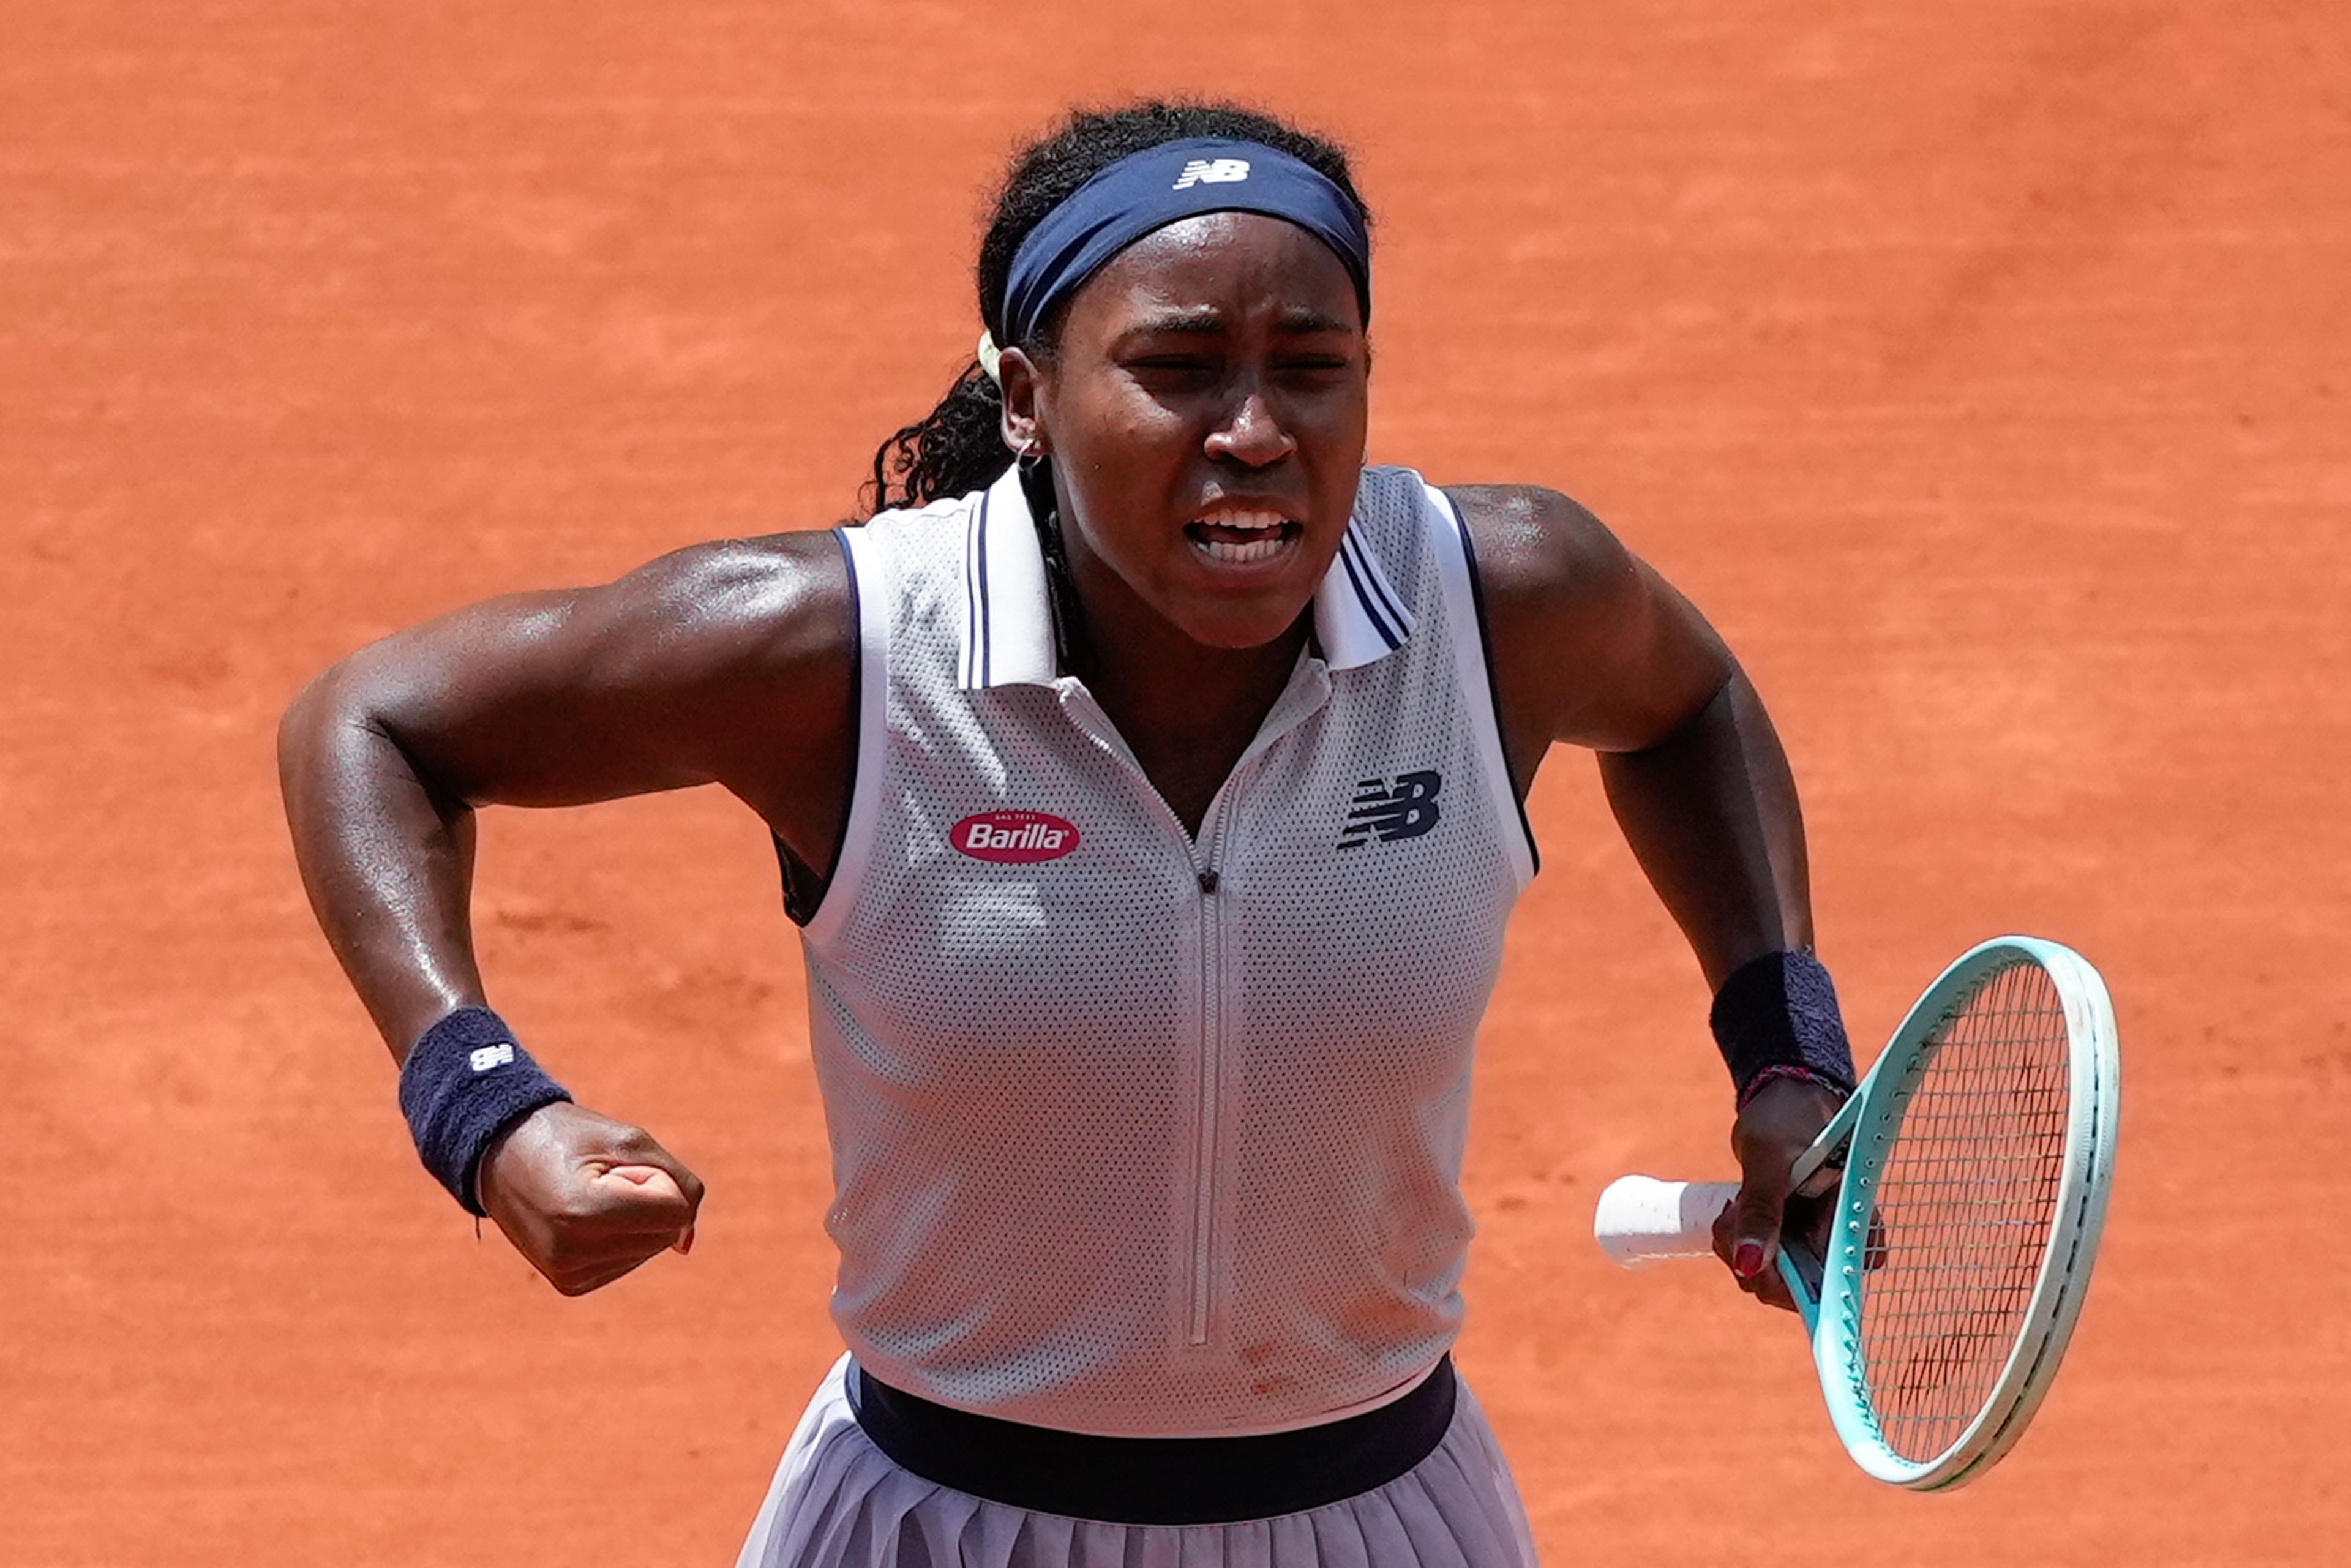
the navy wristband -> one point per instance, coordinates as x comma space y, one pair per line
467, 1080
1777, 1017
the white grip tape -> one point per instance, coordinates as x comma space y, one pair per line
1643, 1220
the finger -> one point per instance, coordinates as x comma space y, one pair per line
641, 1149
581, 1263
1767, 1286
648, 1191
579, 1282
596, 1243
668, 1179
1725, 1233
654, 1181
1755, 1224
1770, 1289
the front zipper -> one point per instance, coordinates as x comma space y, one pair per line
1212, 1054
1203, 1195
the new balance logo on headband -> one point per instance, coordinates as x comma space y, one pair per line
1211, 172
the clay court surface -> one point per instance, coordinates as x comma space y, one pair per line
1982, 370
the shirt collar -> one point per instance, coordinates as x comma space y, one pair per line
1008, 624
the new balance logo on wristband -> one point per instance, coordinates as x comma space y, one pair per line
488, 1056
1211, 172
1405, 812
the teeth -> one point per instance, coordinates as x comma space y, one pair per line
1235, 517
1264, 533
1256, 549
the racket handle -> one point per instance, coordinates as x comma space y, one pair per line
1642, 1220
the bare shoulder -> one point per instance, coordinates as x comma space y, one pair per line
748, 646
1589, 645
728, 663
1539, 549
781, 603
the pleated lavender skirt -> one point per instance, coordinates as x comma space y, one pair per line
838, 1502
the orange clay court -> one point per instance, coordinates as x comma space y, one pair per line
1985, 372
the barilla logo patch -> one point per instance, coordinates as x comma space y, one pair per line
1014, 838
1211, 172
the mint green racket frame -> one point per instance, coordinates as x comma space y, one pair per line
1830, 1290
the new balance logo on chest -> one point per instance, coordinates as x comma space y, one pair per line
1383, 813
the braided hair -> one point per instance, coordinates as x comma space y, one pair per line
960, 446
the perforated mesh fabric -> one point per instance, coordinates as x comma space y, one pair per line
1118, 1154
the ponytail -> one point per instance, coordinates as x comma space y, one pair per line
957, 449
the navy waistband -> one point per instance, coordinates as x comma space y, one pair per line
1155, 1480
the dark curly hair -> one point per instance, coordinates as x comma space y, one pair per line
960, 446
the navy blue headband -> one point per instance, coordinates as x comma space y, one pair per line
1165, 184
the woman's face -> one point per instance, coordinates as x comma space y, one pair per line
1205, 412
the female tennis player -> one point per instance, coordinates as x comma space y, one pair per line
1146, 779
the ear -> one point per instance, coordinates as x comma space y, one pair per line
1022, 386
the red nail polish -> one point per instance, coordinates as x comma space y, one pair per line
1746, 1259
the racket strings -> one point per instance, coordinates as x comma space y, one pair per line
1965, 1203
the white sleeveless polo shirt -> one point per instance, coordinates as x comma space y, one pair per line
1133, 1134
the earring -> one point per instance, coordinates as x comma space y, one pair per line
1029, 455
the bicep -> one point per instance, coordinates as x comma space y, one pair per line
1591, 645
724, 664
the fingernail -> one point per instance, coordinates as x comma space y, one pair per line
685, 1244
1746, 1259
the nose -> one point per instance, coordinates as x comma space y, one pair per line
1253, 434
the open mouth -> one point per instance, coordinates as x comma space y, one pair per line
1243, 536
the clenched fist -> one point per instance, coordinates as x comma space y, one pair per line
587, 1198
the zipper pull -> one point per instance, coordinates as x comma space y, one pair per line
1208, 883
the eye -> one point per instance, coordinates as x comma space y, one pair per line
1175, 368
1313, 371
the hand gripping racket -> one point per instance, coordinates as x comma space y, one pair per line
1974, 1161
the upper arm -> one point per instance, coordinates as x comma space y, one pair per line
728, 663
1590, 645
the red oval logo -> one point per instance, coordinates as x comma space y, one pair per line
1014, 838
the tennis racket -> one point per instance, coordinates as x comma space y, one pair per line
1969, 1173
